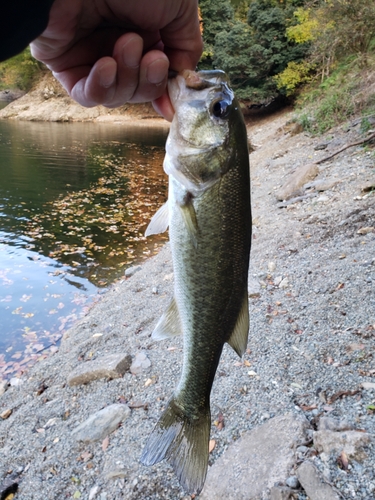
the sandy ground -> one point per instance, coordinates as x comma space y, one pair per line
312, 310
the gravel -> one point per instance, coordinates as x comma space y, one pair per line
311, 343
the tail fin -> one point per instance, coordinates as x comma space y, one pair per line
184, 443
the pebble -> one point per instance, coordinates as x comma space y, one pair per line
271, 267
15, 382
140, 364
292, 482
3, 386
101, 423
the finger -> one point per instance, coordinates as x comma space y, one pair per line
182, 39
153, 77
164, 107
128, 55
91, 86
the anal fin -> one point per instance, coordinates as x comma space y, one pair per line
169, 325
239, 336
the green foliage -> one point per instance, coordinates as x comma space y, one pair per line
306, 28
217, 16
294, 75
244, 61
20, 71
253, 52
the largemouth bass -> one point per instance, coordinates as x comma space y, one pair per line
209, 218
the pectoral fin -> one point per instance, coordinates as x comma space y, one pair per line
159, 222
190, 219
238, 339
169, 325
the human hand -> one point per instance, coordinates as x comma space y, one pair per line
115, 51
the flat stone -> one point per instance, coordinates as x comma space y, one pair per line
351, 442
369, 386
140, 364
296, 180
110, 366
259, 459
281, 493
313, 484
101, 423
333, 424
321, 184
130, 271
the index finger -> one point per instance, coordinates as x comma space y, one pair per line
182, 38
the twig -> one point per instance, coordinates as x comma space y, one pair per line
362, 141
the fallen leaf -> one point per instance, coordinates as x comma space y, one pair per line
86, 456
365, 230
105, 443
308, 408
6, 414
211, 445
343, 460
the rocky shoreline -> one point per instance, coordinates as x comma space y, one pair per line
49, 102
295, 418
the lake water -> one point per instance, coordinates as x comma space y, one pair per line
75, 200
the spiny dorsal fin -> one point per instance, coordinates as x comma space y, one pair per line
159, 222
238, 339
169, 325
190, 218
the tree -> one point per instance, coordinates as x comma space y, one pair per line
253, 53
217, 16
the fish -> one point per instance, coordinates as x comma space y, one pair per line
208, 213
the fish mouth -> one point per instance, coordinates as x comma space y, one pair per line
194, 80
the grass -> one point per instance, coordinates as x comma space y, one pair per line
348, 91
20, 72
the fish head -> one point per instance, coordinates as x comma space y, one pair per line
201, 141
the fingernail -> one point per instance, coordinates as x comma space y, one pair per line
157, 71
107, 77
131, 53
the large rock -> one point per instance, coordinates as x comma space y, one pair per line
295, 181
313, 485
101, 423
110, 366
257, 461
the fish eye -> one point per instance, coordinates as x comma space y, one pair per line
221, 108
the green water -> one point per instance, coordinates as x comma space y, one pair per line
75, 200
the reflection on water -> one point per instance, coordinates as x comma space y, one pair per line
75, 200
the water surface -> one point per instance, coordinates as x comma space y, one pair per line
75, 200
